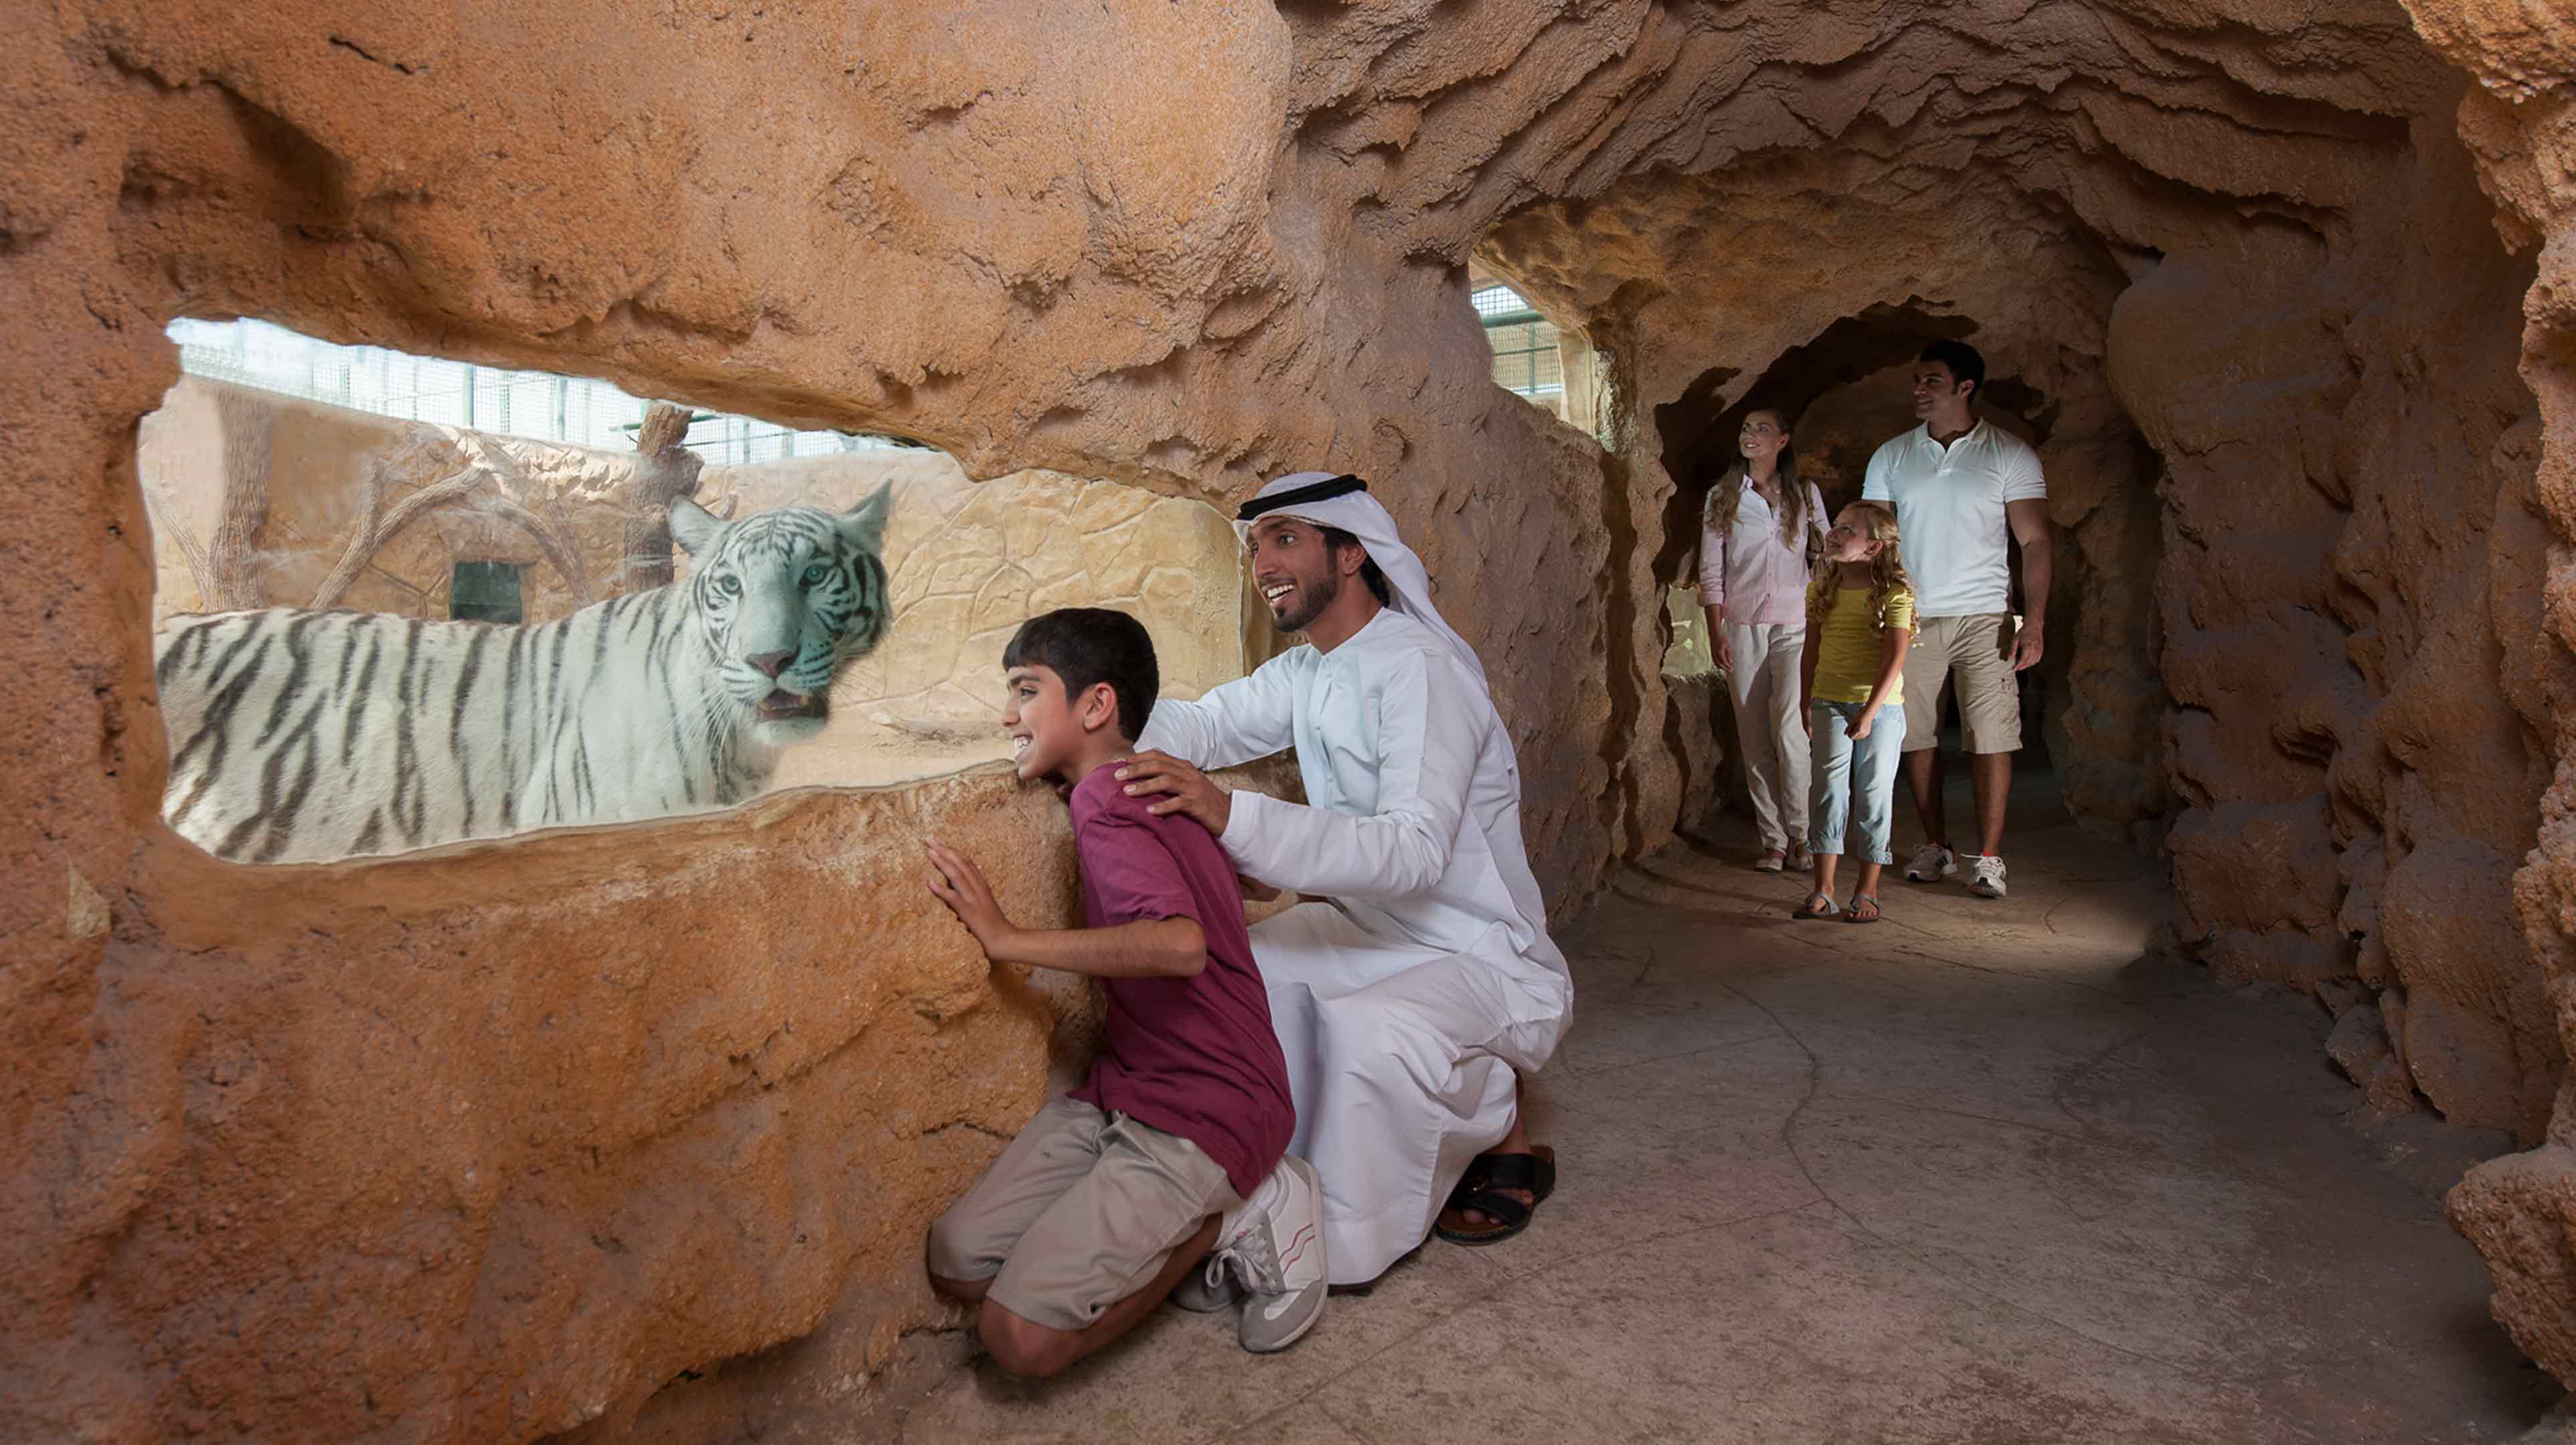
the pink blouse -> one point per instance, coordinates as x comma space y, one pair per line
1751, 576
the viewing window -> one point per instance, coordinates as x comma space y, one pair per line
404, 601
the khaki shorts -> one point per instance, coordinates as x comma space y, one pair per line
1081, 1211
1978, 652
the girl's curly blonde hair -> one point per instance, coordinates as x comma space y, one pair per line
1886, 570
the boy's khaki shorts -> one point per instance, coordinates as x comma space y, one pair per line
1081, 1211
1977, 650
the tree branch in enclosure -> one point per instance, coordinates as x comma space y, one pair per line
484, 465
387, 525
553, 538
201, 570
665, 470
233, 561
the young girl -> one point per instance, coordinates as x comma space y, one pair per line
1755, 534
1861, 614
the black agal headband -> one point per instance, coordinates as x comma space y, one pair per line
1323, 491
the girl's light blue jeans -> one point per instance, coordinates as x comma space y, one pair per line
1851, 778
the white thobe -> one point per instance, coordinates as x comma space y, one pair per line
1406, 1002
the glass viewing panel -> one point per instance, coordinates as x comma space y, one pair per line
405, 601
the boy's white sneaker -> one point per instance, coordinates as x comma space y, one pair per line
1931, 863
1274, 1246
1986, 875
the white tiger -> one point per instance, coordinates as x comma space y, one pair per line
299, 735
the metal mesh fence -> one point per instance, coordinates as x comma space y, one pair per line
1525, 355
579, 410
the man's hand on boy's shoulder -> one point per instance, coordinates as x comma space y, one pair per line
961, 886
1184, 789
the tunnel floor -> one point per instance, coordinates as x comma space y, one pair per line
1981, 1172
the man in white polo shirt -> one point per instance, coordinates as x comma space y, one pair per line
1959, 486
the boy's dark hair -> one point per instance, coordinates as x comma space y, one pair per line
1964, 361
1088, 645
1376, 580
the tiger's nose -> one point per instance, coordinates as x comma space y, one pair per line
771, 663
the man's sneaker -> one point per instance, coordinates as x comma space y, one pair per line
1275, 1247
1933, 862
1209, 1288
1986, 875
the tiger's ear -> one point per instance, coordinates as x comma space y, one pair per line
693, 526
865, 523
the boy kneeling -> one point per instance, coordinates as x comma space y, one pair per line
1115, 1192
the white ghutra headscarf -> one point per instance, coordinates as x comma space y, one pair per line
1336, 499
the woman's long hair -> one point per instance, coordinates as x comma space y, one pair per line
1887, 575
1718, 513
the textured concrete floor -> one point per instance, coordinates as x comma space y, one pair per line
1982, 1172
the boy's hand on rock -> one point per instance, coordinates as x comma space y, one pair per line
961, 886
1184, 788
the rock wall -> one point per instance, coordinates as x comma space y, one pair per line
2236, 259
2356, 743
2520, 122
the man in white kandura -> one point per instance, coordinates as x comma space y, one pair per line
1407, 998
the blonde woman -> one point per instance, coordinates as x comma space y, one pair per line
1756, 534
1853, 688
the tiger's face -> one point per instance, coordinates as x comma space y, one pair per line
784, 598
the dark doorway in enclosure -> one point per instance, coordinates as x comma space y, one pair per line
484, 592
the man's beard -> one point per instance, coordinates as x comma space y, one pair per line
1315, 595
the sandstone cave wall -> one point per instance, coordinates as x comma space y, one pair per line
2519, 121
2349, 602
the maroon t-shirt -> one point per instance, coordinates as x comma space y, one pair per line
1189, 1056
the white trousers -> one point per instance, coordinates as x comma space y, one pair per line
1400, 1061
1763, 685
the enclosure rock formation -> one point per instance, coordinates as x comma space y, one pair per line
2520, 122
2262, 276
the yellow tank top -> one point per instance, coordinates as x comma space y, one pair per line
1849, 648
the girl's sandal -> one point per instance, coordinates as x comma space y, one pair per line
1817, 906
1860, 902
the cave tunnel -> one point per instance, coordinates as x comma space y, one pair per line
1843, 392
2242, 1116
